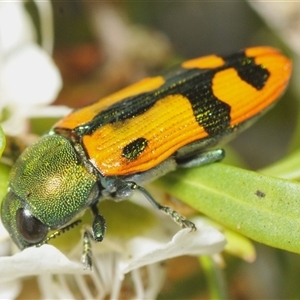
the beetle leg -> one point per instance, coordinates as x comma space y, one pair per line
99, 225
97, 234
86, 257
173, 214
202, 158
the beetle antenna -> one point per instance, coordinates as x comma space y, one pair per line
59, 232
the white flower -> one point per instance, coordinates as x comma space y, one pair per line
112, 259
283, 17
29, 79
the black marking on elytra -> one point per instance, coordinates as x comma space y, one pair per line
134, 149
196, 85
253, 74
209, 111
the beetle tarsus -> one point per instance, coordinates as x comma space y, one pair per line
178, 218
86, 257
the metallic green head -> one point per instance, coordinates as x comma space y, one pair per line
48, 186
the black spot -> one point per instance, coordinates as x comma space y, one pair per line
260, 194
134, 149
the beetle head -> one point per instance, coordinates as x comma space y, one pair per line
48, 186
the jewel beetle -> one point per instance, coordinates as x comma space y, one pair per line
108, 149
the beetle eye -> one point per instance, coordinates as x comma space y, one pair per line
30, 228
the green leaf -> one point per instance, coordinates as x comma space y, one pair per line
2, 141
4, 172
288, 167
261, 207
240, 246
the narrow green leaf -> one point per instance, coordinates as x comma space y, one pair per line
240, 246
4, 172
261, 207
288, 167
237, 244
2, 141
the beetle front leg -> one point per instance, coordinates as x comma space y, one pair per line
97, 233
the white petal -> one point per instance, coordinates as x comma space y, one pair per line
5, 249
3, 232
156, 280
10, 290
17, 124
144, 251
36, 261
46, 16
29, 77
49, 111
5, 243
16, 27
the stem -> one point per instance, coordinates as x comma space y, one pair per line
215, 278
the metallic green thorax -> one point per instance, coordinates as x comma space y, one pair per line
51, 182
